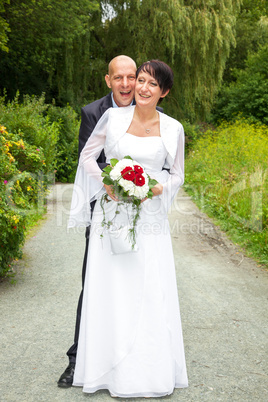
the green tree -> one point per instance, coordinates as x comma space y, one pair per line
68, 60
251, 33
194, 37
49, 48
248, 95
4, 27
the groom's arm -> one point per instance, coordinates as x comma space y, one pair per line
89, 118
88, 123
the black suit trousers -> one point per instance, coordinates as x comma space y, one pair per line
73, 349
71, 353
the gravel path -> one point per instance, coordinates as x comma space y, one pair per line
223, 298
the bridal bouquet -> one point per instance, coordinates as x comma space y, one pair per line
131, 184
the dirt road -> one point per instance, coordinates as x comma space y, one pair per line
223, 299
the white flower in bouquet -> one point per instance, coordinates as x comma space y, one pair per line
131, 185
127, 185
139, 192
115, 173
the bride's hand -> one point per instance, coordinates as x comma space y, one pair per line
110, 192
157, 189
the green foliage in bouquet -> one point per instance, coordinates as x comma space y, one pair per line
123, 197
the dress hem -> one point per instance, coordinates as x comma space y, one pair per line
113, 393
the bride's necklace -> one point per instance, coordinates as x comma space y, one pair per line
147, 130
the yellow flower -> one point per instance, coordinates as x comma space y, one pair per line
29, 188
10, 157
3, 129
15, 218
21, 143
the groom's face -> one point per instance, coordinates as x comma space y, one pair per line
121, 80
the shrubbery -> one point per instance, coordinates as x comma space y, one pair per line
248, 95
67, 145
36, 140
48, 127
193, 133
28, 120
19, 164
227, 175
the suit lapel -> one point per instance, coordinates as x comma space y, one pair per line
107, 103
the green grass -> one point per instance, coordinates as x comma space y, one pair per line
227, 177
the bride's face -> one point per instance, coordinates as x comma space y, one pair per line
147, 90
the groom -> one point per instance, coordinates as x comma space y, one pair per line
121, 79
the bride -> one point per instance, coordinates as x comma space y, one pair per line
130, 340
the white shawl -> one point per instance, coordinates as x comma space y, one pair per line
113, 124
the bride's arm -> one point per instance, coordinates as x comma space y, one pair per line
176, 173
88, 180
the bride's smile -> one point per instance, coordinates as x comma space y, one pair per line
147, 90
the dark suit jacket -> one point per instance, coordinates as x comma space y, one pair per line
90, 115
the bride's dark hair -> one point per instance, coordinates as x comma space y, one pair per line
160, 71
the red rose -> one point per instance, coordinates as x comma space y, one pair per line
128, 173
139, 180
138, 169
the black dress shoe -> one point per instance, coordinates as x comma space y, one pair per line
66, 379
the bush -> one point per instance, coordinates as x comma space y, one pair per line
193, 132
67, 146
248, 95
19, 193
37, 140
226, 173
28, 121
49, 128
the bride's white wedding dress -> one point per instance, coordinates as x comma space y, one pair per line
130, 338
